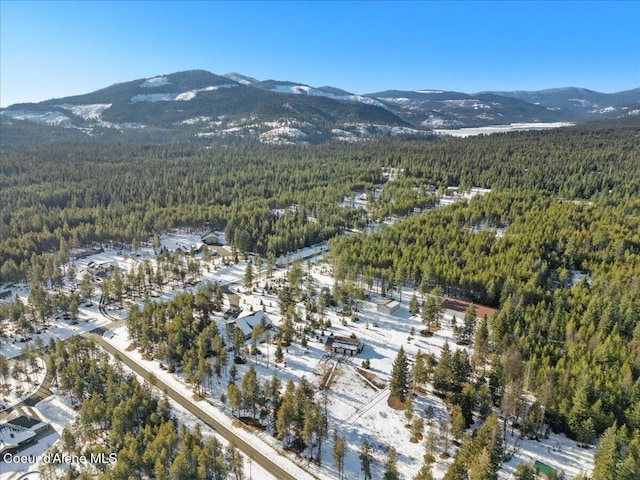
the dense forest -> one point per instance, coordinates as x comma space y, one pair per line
276, 199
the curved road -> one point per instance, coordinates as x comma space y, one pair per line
254, 454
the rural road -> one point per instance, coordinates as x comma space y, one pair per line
254, 454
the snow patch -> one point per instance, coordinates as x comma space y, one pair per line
155, 82
50, 118
581, 103
467, 103
153, 97
438, 122
282, 135
87, 112
306, 90
513, 127
180, 97
429, 91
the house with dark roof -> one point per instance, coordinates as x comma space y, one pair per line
344, 345
20, 431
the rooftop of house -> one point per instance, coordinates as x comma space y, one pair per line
247, 321
389, 302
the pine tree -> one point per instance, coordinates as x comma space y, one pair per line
339, 451
457, 470
285, 418
481, 468
419, 373
248, 275
251, 391
443, 375
424, 473
468, 325
607, 455
414, 306
481, 344
399, 384
279, 355
524, 472
365, 459
431, 445
391, 467
458, 425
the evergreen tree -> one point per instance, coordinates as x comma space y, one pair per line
443, 376
424, 473
248, 275
419, 372
414, 306
365, 459
399, 383
391, 466
251, 391
524, 472
431, 445
458, 425
481, 344
607, 456
339, 451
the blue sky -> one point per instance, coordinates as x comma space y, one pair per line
54, 49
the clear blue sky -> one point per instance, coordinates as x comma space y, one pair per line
54, 49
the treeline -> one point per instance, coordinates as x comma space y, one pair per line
271, 199
565, 276
119, 415
275, 199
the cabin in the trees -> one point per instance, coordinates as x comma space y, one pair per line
388, 307
102, 270
190, 248
247, 321
543, 471
210, 239
344, 345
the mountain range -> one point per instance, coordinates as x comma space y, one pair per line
200, 106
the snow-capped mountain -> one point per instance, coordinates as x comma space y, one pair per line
200, 106
438, 109
580, 102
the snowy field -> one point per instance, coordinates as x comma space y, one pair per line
513, 127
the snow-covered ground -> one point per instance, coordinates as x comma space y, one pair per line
15, 390
514, 127
356, 406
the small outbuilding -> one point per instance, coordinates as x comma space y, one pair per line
388, 307
344, 345
543, 471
